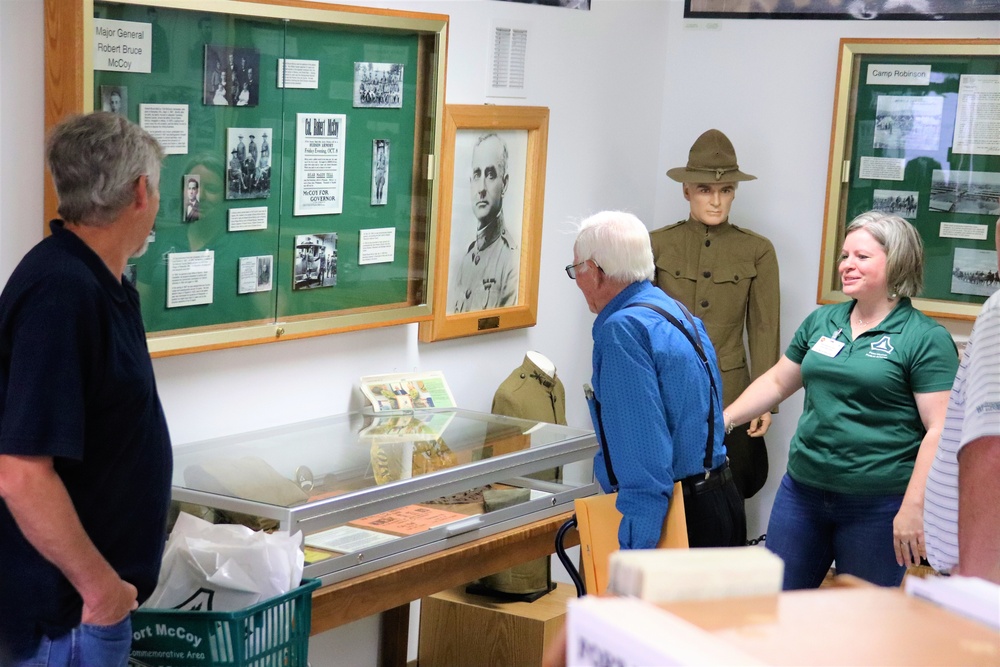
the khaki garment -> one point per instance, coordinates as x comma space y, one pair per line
728, 277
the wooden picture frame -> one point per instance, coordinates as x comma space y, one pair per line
377, 268
906, 140
490, 224
935, 10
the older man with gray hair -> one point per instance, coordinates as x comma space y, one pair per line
85, 458
656, 395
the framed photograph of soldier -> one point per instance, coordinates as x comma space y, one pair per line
912, 136
863, 10
220, 62
490, 220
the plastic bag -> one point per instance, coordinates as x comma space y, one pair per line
224, 567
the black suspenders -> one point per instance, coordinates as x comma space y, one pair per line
696, 343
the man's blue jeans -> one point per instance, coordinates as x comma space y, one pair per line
85, 646
811, 528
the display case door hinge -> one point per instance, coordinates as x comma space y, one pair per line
845, 172
430, 167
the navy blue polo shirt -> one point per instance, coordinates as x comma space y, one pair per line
77, 385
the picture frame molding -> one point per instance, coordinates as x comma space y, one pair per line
457, 118
841, 161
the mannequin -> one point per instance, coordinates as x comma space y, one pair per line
532, 391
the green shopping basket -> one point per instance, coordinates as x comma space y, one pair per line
272, 633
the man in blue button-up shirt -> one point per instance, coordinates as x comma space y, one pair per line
656, 403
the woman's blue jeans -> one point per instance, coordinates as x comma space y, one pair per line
85, 646
811, 528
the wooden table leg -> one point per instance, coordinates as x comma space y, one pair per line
394, 636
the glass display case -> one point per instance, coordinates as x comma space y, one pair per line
372, 490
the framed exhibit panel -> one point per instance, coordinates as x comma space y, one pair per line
284, 213
863, 10
490, 220
915, 133
373, 490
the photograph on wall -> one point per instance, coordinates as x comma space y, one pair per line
860, 10
315, 261
910, 122
231, 76
378, 85
114, 99
487, 209
974, 272
319, 164
191, 196
566, 4
249, 173
903, 203
380, 171
130, 274
976, 192
255, 274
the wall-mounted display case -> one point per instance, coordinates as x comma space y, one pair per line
373, 490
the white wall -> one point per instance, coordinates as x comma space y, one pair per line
630, 84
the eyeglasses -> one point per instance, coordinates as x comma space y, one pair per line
571, 268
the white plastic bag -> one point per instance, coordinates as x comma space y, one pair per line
223, 567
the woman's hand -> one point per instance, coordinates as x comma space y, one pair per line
759, 426
908, 534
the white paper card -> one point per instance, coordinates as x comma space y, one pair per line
377, 245
895, 75
123, 46
958, 230
247, 219
298, 73
168, 123
882, 168
190, 278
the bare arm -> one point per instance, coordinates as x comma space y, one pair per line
778, 383
908, 526
41, 506
978, 500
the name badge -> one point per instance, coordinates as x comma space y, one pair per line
828, 347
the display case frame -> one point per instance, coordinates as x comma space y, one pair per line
518, 449
248, 319
860, 146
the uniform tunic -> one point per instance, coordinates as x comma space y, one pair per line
488, 273
727, 277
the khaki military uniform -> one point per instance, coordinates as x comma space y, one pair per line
488, 273
531, 393
728, 277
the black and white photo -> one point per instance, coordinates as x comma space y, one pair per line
974, 272
903, 203
315, 261
248, 171
231, 76
378, 85
192, 198
908, 122
114, 99
380, 171
976, 192
488, 202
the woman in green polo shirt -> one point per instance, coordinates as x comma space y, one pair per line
877, 373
